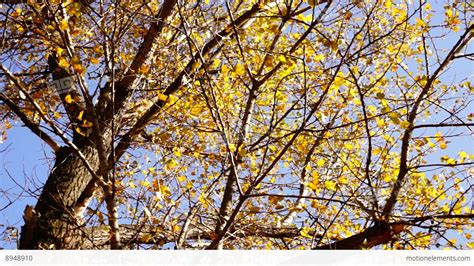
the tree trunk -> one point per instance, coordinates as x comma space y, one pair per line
55, 222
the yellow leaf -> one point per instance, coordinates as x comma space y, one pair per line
144, 69
171, 164
68, 99
162, 97
451, 161
181, 178
77, 65
20, 28
380, 122
281, 58
63, 24
177, 152
16, 13
225, 70
153, 6
463, 155
330, 185
86, 123
305, 232
216, 63
63, 62
321, 162
348, 146
196, 110
146, 237
314, 182
97, 49
313, 3
280, 96
338, 81
448, 13
78, 130
239, 69
59, 51
275, 199
131, 184
189, 185
420, 23
342, 180
319, 57
242, 151
203, 201
254, 209
145, 183
95, 61
405, 124
394, 117
443, 145
79, 116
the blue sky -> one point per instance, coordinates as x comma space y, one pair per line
22, 156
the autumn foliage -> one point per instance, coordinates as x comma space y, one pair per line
258, 124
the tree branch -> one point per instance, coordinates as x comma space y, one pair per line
149, 234
55, 129
145, 51
403, 168
444, 125
30, 124
380, 233
128, 137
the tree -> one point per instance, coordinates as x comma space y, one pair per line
235, 124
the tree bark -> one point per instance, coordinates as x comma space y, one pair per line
55, 222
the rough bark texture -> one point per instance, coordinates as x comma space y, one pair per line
53, 224
379, 233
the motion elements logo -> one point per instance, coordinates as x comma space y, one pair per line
63, 85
